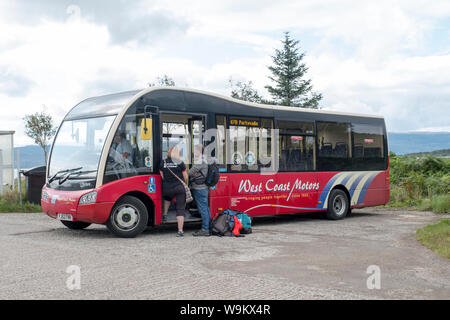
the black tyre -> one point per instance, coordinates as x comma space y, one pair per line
338, 205
75, 225
128, 217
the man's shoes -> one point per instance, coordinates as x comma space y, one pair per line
201, 233
180, 234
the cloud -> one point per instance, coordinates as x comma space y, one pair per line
384, 57
14, 84
127, 21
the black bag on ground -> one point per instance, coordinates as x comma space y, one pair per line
221, 225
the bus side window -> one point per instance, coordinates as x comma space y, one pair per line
334, 146
297, 145
250, 143
368, 147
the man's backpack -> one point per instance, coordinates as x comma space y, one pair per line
212, 177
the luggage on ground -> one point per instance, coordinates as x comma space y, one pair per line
230, 223
246, 221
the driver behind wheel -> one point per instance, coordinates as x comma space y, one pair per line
121, 149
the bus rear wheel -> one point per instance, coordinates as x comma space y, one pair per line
128, 217
75, 225
338, 205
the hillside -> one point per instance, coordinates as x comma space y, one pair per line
436, 153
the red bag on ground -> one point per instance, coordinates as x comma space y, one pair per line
237, 227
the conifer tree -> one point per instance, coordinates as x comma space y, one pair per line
288, 72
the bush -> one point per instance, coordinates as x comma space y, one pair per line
416, 181
441, 203
425, 205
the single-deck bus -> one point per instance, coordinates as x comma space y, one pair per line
273, 160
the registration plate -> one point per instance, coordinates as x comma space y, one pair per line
65, 217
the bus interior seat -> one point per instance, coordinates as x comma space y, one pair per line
372, 152
358, 151
326, 149
294, 159
284, 159
340, 150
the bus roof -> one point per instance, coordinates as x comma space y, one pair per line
112, 104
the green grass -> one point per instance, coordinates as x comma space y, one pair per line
436, 237
9, 202
441, 203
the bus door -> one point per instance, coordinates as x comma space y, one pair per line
184, 131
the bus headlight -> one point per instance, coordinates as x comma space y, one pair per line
44, 195
88, 198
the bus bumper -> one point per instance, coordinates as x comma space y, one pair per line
66, 202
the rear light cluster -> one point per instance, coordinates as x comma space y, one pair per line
88, 198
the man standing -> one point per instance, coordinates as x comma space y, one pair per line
200, 191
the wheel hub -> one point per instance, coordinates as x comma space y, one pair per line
339, 205
126, 217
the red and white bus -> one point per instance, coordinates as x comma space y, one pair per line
273, 159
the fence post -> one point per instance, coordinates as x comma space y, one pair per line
1, 171
19, 180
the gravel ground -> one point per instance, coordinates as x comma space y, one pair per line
287, 257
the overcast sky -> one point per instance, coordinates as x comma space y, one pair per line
383, 57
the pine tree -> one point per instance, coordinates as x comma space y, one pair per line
288, 71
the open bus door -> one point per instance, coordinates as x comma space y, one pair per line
185, 131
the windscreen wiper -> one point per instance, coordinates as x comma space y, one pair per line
53, 177
68, 175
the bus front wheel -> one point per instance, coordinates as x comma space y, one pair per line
128, 217
75, 225
338, 205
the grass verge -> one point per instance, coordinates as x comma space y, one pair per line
9, 202
436, 237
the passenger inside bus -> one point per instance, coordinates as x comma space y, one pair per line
121, 148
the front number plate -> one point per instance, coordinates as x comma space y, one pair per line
65, 216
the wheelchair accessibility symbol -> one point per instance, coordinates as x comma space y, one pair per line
151, 185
